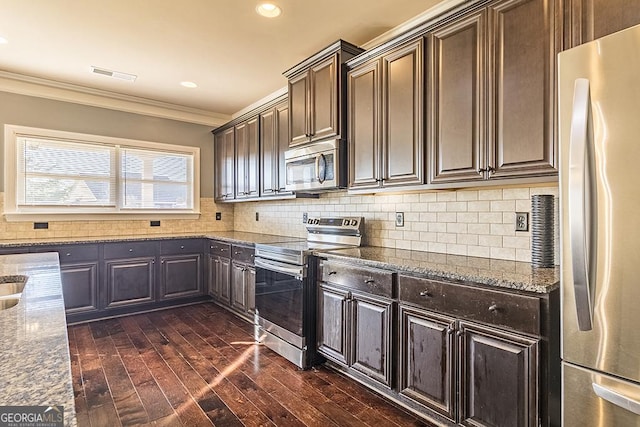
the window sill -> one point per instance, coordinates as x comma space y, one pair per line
128, 216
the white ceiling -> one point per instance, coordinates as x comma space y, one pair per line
234, 55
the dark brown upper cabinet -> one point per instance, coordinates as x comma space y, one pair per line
316, 94
274, 141
385, 105
491, 93
523, 46
456, 100
592, 19
247, 162
224, 161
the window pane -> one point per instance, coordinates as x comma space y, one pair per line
64, 173
156, 180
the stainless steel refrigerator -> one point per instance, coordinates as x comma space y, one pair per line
599, 128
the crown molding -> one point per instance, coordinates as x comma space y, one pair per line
414, 22
50, 89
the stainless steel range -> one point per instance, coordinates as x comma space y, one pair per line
286, 287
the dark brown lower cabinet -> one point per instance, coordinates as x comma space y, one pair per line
355, 330
80, 287
498, 377
427, 359
129, 281
181, 276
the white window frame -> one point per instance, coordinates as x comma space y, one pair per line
14, 212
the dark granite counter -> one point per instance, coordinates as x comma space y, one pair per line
34, 349
239, 237
492, 272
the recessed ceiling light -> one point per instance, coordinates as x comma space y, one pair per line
114, 74
189, 84
268, 10
3, 40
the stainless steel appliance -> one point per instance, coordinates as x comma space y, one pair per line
285, 287
599, 111
316, 167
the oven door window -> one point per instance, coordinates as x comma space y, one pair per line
279, 299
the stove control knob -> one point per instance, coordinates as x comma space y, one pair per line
354, 222
345, 223
316, 221
309, 221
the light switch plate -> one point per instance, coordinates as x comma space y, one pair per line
399, 219
522, 221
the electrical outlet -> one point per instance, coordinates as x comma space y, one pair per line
305, 217
522, 221
257, 216
399, 219
218, 216
154, 223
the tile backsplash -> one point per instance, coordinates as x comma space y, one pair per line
101, 228
476, 222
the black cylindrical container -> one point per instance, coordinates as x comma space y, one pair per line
542, 230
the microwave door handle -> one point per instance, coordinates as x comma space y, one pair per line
321, 168
578, 200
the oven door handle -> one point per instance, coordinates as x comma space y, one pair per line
280, 267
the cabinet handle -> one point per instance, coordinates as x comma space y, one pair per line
493, 308
450, 330
369, 281
487, 169
68, 253
458, 334
425, 293
332, 272
236, 253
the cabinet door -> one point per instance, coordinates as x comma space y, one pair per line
402, 123
592, 19
241, 160
282, 137
224, 159
223, 280
371, 333
252, 157
129, 281
180, 276
427, 363
498, 377
238, 287
323, 96
522, 88
268, 153
363, 105
80, 287
333, 313
212, 266
299, 109
457, 100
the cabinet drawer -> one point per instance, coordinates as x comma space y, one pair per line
243, 254
370, 280
72, 253
510, 310
219, 248
188, 246
130, 249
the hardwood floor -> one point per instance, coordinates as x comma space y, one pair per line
198, 366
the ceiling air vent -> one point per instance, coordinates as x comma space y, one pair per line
114, 74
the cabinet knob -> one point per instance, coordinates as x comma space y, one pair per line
130, 249
181, 246
425, 293
493, 308
68, 253
211, 247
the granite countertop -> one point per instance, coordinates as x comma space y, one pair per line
34, 349
239, 237
484, 271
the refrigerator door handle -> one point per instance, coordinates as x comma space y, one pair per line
578, 227
617, 398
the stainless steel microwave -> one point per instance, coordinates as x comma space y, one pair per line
316, 167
